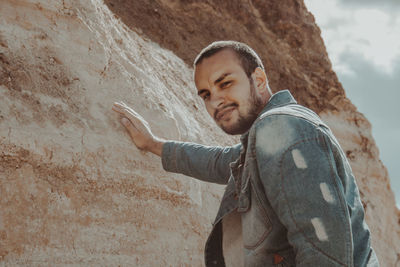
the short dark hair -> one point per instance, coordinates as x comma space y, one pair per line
246, 55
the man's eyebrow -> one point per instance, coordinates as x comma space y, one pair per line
201, 91
222, 77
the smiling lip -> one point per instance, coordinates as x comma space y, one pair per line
222, 113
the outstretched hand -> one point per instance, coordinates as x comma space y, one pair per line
138, 129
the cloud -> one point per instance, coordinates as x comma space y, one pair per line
371, 3
376, 94
370, 86
363, 43
365, 29
390, 6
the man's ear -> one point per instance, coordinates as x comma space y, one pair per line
260, 81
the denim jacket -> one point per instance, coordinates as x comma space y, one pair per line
292, 186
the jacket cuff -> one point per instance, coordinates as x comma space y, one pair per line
168, 156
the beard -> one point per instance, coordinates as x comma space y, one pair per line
245, 121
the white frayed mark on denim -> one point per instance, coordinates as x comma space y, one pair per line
274, 135
299, 159
326, 193
319, 229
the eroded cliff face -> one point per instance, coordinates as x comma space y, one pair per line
74, 190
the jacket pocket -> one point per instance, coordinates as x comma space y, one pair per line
256, 224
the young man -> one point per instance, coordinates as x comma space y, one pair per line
291, 198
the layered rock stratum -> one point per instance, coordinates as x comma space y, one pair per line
75, 191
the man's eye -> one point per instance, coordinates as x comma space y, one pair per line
205, 96
225, 84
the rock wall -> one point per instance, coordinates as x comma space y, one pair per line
74, 190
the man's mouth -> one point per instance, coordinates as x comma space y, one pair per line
222, 113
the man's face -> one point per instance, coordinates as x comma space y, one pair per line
229, 95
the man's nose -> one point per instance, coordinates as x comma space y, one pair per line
217, 100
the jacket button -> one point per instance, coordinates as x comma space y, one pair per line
277, 258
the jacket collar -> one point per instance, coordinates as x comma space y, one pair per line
281, 98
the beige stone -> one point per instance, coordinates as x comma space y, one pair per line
73, 188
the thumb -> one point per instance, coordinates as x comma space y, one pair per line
125, 121
129, 126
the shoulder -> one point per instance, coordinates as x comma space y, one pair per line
279, 128
281, 119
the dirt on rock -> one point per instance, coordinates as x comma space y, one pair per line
283, 33
74, 189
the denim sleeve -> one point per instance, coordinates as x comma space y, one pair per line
206, 163
304, 189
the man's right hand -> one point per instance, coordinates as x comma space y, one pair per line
138, 129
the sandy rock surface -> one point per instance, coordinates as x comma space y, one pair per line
74, 190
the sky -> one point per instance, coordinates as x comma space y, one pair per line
363, 42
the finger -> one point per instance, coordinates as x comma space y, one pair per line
129, 126
131, 114
134, 116
118, 105
125, 110
122, 107
118, 109
131, 110
121, 104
